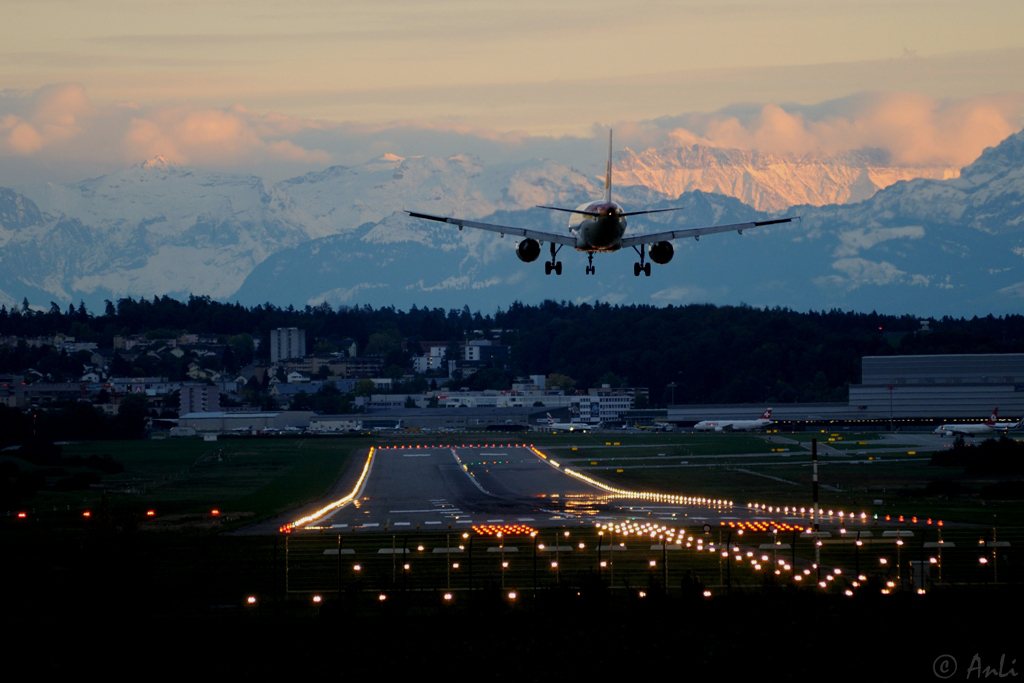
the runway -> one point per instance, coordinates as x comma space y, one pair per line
457, 487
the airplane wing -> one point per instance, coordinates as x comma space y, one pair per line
501, 229
697, 232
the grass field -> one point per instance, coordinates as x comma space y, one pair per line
251, 478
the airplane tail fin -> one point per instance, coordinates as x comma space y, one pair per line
994, 417
767, 415
608, 173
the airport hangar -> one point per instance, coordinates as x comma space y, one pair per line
908, 390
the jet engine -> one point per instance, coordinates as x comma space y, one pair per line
528, 250
661, 253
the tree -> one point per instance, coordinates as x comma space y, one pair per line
364, 387
564, 382
244, 348
131, 415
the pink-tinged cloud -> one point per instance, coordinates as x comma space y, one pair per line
60, 122
915, 130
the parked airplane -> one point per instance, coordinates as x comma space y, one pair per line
598, 227
566, 426
989, 426
735, 425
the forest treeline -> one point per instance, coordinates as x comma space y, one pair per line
711, 354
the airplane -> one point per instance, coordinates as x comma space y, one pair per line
735, 425
598, 227
989, 426
566, 426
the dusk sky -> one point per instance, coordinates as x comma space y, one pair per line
276, 88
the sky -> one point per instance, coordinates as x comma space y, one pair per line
277, 89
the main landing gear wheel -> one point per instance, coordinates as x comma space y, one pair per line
553, 265
641, 267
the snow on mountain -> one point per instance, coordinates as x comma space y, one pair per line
16, 212
154, 228
340, 199
925, 245
767, 182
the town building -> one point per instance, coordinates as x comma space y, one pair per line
287, 342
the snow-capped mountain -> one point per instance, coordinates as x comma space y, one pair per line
928, 246
932, 247
154, 228
767, 182
341, 198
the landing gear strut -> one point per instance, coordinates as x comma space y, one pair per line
645, 268
590, 268
553, 265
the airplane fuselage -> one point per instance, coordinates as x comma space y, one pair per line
731, 425
602, 232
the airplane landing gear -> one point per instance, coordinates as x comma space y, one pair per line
590, 268
641, 267
553, 265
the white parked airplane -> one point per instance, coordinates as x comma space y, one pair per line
598, 227
735, 425
989, 426
566, 426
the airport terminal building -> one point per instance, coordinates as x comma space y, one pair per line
921, 390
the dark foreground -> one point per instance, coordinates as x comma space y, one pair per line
142, 604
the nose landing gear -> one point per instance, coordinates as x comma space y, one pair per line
590, 259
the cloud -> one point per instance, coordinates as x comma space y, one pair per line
852, 242
679, 294
341, 295
1015, 290
58, 133
60, 122
451, 282
914, 129
857, 272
